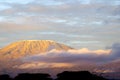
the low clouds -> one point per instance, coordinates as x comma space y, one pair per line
42, 65
70, 58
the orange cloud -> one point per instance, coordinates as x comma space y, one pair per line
37, 65
87, 51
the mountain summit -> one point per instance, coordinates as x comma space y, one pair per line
30, 47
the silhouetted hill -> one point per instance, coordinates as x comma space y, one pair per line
78, 75
5, 77
66, 75
35, 76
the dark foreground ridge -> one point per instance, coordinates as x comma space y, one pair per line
79, 75
66, 75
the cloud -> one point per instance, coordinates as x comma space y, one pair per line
71, 58
115, 53
38, 65
79, 17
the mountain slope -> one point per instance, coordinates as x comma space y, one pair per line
110, 70
30, 47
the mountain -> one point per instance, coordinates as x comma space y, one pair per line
110, 70
110, 67
30, 47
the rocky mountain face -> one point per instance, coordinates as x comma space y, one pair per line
30, 47
12, 54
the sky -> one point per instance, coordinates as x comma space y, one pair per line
92, 24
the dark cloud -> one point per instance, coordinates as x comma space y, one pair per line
115, 53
